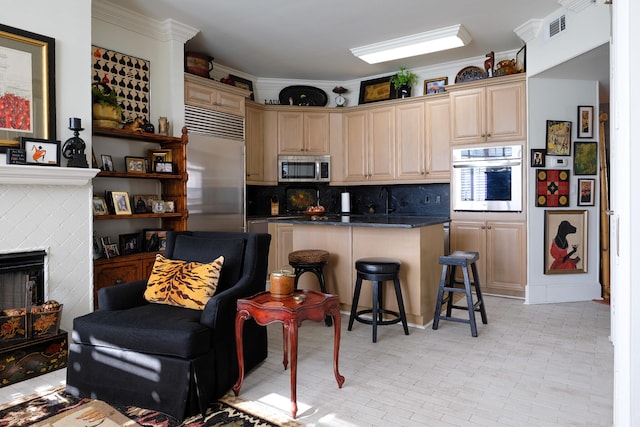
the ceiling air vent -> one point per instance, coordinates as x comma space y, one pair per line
557, 26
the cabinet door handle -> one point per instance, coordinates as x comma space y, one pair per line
483, 227
489, 227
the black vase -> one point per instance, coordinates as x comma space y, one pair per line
404, 91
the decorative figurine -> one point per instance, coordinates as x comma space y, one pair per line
488, 63
73, 148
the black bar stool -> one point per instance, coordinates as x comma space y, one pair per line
313, 261
464, 260
377, 270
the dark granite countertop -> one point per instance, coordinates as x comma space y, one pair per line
389, 221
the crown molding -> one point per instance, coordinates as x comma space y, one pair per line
576, 5
167, 30
529, 30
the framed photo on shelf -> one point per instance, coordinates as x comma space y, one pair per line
435, 85
130, 243
121, 203
143, 203
558, 138
585, 121
155, 240
376, 90
99, 206
41, 152
521, 59
111, 250
565, 236
538, 158
28, 63
160, 155
586, 195
163, 167
585, 158
135, 164
107, 163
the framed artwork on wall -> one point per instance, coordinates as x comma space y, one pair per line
27, 87
565, 236
435, 85
538, 157
585, 121
585, 158
552, 188
41, 152
128, 76
586, 195
558, 138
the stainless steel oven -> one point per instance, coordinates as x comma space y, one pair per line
487, 178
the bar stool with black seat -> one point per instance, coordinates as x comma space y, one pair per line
312, 261
378, 270
465, 260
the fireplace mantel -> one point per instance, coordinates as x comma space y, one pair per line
45, 175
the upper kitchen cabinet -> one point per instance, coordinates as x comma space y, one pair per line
303, 132
212, 95
261, 145
490, 110
423, 135
369, 145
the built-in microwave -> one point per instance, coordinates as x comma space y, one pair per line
487, 178
304, 168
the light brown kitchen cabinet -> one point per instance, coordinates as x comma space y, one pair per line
261, 145
422, 140
502, 247
369, 144
492, 110
254, 140
213, 95
281, 246
302, 132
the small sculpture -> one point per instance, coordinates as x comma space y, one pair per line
135, 125
73, 148
488, 63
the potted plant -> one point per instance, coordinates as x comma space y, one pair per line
402, 82
107, 112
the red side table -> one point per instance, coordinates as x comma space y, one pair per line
290, 311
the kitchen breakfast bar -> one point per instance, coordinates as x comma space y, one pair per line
417, 241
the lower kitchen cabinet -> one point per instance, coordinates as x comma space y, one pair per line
281, 246
502, 266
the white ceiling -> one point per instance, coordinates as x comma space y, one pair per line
310, 39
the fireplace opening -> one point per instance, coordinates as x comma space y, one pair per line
21, 279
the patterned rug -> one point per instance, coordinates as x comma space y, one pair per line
55, 408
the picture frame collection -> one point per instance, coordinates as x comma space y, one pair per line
121, 203
147, 240
159, 161
584, 156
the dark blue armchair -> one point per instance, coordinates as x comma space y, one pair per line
172, 359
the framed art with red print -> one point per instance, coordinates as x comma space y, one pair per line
552, 188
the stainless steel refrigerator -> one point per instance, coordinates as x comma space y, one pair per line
216, 184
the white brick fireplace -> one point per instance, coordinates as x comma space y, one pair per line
49, 208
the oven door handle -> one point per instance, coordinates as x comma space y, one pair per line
485, 164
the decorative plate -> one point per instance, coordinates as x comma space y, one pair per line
298, 199
303, 95
470, 73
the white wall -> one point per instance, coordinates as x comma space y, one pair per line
56, 218
551, 99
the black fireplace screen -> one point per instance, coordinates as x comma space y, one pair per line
21, 279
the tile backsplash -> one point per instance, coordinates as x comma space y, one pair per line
427, 199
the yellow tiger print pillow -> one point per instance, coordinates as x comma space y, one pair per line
183, 283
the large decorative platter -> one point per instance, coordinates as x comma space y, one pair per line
299, 198
303, 95
470, 73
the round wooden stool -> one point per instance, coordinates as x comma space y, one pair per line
313, 261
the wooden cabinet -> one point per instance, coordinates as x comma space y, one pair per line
281, 245
369, 144
302, 132
488, 111
422, 140
119, 144
254, 134
502, 248
213, 95
261, 145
